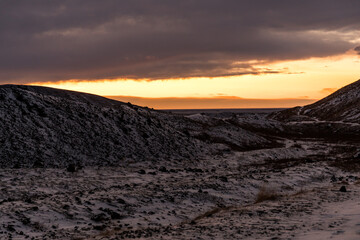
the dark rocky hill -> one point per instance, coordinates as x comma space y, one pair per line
48, 127
343, 105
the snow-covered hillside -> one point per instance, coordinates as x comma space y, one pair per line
51, 127
47, 127
343, 105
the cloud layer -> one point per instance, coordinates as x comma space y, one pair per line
156, 39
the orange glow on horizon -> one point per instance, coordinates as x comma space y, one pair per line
310, 79
211, 103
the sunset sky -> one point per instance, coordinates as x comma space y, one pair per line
184, 54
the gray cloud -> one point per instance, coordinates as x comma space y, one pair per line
88, 39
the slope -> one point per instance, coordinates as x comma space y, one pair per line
343, 105
45, 127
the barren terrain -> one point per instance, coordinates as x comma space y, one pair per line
157, 175
278, 193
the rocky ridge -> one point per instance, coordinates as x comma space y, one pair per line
343, 105
45, 127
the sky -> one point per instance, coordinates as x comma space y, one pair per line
184, 54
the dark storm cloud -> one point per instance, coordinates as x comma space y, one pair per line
45, 40
357, 49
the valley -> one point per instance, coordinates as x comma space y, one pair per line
195, 175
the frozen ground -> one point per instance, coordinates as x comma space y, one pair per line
216, 198
79, 166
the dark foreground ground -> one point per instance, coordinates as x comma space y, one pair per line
290, 192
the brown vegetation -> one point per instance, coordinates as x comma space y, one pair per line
266, 194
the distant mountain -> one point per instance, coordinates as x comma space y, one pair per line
343, 105
46, 127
